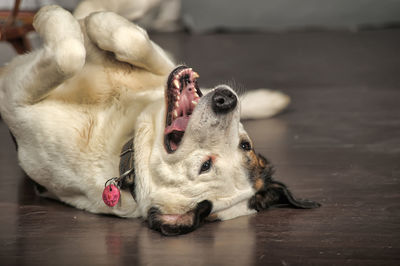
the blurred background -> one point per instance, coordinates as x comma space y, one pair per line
208, 16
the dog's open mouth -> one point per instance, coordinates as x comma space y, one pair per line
182, 96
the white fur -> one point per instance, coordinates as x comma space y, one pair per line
263, 103
72, 106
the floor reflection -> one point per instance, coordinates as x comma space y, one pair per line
210, 244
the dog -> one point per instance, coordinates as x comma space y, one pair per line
102, 110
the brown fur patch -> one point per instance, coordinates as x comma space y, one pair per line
257, 166
258, 184
252, 159
212, 217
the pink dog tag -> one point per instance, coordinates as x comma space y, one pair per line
111, 195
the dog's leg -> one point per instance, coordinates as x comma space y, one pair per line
128, 42
30, 78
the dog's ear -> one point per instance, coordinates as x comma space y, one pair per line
276, 194
271, 193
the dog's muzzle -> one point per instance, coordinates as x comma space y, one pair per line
177, 224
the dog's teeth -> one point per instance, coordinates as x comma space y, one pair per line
177, 104
178, 97
195, 75
175, 113
183, 72
176, 84
196, 95
194, 102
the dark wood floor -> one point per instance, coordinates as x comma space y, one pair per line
338, 143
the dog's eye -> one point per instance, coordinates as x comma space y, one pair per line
205, 166
245, 145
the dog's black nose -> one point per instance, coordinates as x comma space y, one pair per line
223, 100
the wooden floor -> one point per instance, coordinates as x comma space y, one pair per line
338, 143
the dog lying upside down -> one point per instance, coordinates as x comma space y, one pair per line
101, 100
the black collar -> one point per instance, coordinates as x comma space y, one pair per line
126, 180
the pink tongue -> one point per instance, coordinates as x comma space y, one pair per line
178, 124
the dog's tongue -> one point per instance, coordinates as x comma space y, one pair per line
179, 124
184, 108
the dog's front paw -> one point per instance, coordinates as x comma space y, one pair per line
70, 56
62, 37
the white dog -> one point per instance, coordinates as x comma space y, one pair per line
99, 86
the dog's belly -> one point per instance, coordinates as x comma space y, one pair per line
57, 140
64, 148
70, 141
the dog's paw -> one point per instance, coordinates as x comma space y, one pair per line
62, 37
70, 56
263, 103
114, 33
54, 24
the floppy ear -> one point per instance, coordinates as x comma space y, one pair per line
271, 193
276, 194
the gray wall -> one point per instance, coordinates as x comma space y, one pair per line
203, 15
